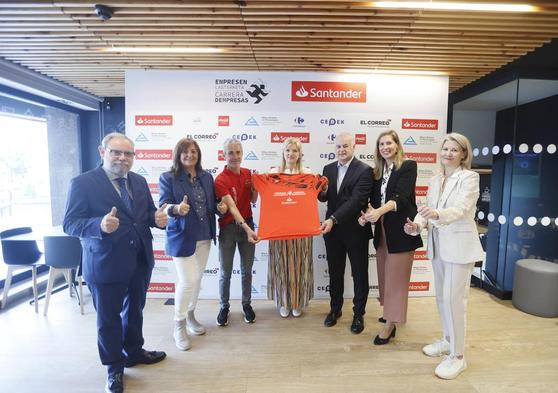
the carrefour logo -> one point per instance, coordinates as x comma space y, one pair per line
298, 120
325, 91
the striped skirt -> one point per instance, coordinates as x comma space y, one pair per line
290, 277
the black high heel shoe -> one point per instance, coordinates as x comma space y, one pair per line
382, 341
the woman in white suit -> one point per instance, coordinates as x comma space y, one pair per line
453, 246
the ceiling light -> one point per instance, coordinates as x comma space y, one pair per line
444, 5
396, 72
138, 49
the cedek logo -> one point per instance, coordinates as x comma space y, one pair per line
223, 121
421, 191
279, 137
153, 120
422, 158
360, 139
419, 124
328, 91
166, 287
157, 154
419, 286
161, 256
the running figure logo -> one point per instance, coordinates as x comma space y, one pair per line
258, 91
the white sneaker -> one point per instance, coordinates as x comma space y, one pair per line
437, 348
297, 312
450, 367
181, 338
284, 312
193, 326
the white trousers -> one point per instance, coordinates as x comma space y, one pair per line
452, 281
190, 272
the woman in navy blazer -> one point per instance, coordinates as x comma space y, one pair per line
188, 191
392, 201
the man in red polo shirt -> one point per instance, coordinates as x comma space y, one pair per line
236, 228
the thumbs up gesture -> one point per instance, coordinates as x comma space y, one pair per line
110, 222
183, 208
161, 217
410, 227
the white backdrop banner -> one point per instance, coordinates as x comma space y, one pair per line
261, 109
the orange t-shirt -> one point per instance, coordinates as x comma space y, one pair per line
289, 205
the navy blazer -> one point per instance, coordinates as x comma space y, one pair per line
347, 203
109, 258
401, 189
181, 230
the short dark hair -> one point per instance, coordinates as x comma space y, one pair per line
181, 146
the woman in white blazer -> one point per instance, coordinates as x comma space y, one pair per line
453, 246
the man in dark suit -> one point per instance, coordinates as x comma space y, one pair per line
350, 183
111, 210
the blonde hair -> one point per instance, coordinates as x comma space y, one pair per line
288, 142
465, 146
379, 161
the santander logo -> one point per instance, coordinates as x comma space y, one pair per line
160, 255
153, 188
157, 154
279, 137
422, 158
326, 91
153, 120
419, 124
421, 191
301, 92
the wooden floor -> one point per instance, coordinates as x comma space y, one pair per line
507, 351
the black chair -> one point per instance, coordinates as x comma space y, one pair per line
20, 254
63, 255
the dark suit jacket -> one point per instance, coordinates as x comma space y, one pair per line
109, 258
351, 199
401, 189
181, 231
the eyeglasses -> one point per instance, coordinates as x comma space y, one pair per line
118, 153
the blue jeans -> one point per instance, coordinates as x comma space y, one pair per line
230, 237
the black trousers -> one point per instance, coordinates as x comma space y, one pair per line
119, 309
338, 248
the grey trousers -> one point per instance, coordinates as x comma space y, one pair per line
230, 237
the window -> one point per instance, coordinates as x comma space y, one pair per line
24, 175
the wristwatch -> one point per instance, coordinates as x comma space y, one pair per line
333, 219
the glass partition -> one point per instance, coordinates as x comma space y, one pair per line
514, 131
